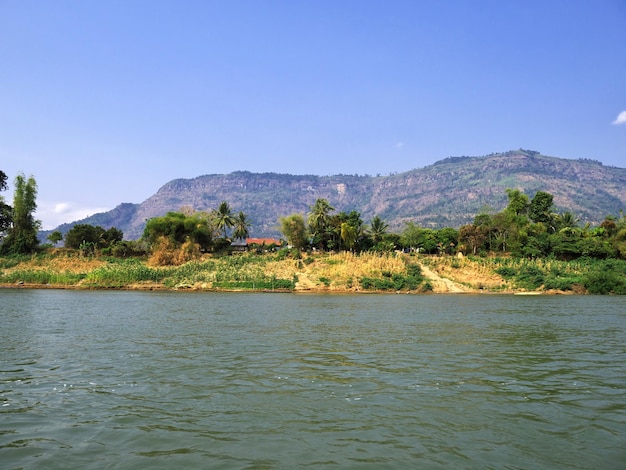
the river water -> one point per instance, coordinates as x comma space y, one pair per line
126, 380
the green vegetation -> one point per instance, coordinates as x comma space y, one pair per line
411, 280
526, 246
6, 211
20, 224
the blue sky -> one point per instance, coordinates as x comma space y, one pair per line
106, 101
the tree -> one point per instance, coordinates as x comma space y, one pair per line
318, 219
112, 236
518, 202
55, 237
295, 231
179, 229
567, 222
609, 224
22, 235
474, 236
447, 239
378, 229
82, 234
540, 209
6, 216
423, 239
348, 235
3, 181
241, 226
319, 215
224, 218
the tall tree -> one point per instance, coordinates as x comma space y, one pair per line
241, 226
224, 218
473, 236
348, 235
319, 219
319, 215
22, 235
3, 181
378, 229
540, 209
5, 210
295, 231
518, 202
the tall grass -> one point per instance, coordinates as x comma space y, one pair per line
41, 276
121, 275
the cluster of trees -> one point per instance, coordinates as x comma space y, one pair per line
208, 230
326, 231
531, 229
526, 227
18, 226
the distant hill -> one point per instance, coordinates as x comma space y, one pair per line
448, 193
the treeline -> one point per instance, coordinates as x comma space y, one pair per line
532, 229
526, 228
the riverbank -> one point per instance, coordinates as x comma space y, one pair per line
290, 271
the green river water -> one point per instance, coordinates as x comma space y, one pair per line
127, 380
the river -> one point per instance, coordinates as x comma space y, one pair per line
126, 380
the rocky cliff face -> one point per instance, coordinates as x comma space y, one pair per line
448, 193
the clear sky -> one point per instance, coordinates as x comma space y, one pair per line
103, 102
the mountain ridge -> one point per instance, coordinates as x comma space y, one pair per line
447, 193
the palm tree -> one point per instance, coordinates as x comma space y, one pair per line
378, 228
241, 229
567, 222
348, 235
224, 218
318, 217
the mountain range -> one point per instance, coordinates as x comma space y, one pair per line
448, 193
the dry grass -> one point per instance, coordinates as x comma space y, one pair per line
318, 271
466, 271
165, 253
62, 262
339, 271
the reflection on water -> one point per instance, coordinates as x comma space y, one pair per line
157, 380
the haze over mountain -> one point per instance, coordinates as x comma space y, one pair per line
448, 193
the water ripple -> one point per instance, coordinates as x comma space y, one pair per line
128, 380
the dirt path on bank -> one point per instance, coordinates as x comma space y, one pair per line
441, 284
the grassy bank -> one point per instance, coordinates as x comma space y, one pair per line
342, 272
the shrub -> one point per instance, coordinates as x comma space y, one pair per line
530, 277
507, 272
325, 281
604, 282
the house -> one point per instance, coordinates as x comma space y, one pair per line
239, 245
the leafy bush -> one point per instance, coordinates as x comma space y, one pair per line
530, 277
325, 281
507, 272
603, 282
396, 282
560, 283
414, 270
